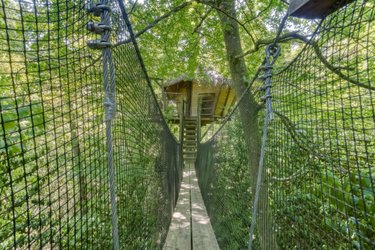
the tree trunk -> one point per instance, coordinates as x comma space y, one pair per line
248, 114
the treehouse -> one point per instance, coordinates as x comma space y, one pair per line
211, 97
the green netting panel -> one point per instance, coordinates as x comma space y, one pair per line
53, 168
224, 180
54, 190
148, 157
320, 154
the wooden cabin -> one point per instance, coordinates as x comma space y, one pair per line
212, 98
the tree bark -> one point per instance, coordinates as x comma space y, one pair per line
248, 114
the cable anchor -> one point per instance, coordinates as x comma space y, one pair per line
264, 87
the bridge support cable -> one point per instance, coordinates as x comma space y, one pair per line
272, 53
104, 28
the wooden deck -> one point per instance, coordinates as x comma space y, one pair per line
190, 227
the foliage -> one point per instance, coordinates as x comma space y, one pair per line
54, 190
53, 161
224, 179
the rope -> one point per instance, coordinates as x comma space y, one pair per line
274, 52
259, 178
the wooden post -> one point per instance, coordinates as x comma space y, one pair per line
182, 122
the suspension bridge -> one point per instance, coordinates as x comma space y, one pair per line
89, 161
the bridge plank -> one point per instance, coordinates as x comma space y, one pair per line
179, 234
190, 227
203, 234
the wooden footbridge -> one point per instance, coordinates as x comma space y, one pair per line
190, 227
89, 157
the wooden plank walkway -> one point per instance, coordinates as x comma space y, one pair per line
190, 227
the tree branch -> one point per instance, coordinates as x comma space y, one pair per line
297, 175
264, 42
230, 16
202, 20
331, 67
260, 13
133, 7
294, 35
155, 22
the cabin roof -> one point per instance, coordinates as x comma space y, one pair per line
183, 78
208, 77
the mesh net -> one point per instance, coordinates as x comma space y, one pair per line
319, 157
53, 161
54, 190
224, 181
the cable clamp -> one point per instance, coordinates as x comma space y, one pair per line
264, 87
265, 97
97, 9
265, 76
98, 44
98, 28
266, 67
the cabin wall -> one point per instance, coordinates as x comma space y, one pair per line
224, 98
197, 91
